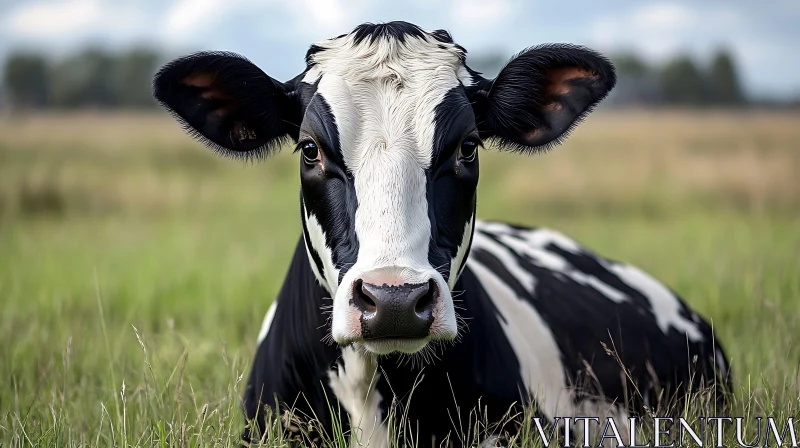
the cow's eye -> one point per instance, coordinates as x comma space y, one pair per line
468, 150
311, 154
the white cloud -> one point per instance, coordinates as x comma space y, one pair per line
659, 17
327, 16
58, 19
187, 16
659, 30
51, 19
479, 14
187, 19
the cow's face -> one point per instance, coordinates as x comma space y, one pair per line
388, 122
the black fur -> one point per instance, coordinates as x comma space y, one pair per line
451, 183
398, 30
584, 323
515, 103
442, 36
291, 363
328, 191
312, 50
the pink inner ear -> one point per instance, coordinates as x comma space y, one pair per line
203, 80
559, 84
559, 79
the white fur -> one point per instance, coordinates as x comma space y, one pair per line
551, 261
664, 305
505, 256
457, 263
267, 322
533, 343
353, 383
329, 278
383, 95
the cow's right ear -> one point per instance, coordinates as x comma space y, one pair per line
228, 103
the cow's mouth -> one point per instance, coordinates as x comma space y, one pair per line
383, 314
386, 346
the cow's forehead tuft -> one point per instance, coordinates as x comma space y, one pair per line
395, 51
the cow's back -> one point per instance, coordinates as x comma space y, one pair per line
574, 318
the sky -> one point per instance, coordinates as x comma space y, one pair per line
763, 35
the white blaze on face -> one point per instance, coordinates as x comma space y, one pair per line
383, 96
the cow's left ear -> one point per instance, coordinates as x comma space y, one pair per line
539, 96
228, 103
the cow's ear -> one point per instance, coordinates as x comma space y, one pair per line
539, 96
228, 103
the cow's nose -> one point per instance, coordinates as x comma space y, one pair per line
400, 312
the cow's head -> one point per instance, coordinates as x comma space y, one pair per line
388, 121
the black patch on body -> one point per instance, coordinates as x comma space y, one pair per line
292, 363
582, 319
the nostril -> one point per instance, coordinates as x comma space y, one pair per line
425, 302
395, 311
363, 297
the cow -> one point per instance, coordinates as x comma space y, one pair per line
397, 296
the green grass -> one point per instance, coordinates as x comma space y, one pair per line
129, 255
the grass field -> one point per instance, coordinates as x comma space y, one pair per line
135, 266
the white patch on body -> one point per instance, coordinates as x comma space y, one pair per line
353, 383
525, 278
267, 321
550, 260
666, 307
533, 243
330, 275
533, 344
457, 263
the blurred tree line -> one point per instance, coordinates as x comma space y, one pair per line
92, 78
100, 78
681, 81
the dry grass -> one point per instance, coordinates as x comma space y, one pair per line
117, 220
665, 161
641, 160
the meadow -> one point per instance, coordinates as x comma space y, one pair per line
136, 266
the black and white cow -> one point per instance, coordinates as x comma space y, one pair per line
392, 264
